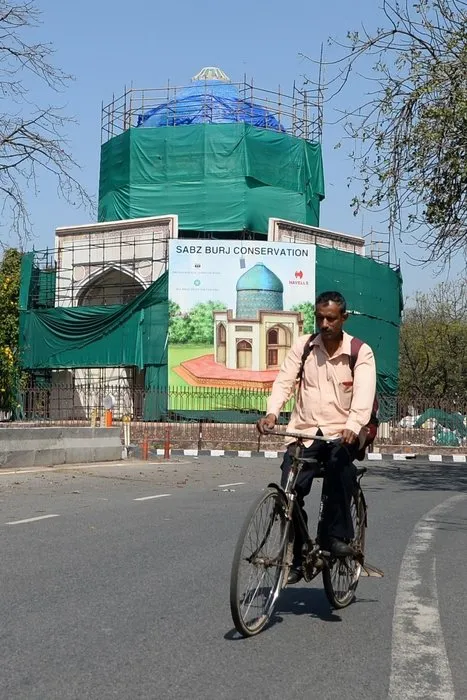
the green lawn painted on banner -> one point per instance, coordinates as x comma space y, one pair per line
181, 353
206, 398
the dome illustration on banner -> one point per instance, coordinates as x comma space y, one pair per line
258, 338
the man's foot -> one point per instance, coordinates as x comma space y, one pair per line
295, 575
340, 548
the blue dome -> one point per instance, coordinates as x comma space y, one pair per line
211, 100
258, 289
260, 278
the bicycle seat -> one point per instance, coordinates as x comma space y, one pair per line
318, 465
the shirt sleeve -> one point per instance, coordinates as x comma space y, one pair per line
284, 384
364, 389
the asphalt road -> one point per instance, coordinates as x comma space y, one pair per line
115, 584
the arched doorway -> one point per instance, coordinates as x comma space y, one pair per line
221, 344
111, 287
126, 383
244, 354
278, 342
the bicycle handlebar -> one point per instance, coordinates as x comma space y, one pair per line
301, 436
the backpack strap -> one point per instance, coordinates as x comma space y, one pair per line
306, 351
355, 345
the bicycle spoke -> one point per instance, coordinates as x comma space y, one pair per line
341, 577
258, 565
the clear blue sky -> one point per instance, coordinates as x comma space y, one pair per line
109, 44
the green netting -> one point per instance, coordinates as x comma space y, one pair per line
216, 177
98, 336
135, 334
25, 290
45, 288
155, 400
373, 294
37, 289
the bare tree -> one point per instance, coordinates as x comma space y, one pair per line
433, 344
411, 129
31, 136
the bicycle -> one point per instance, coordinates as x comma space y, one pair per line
265, 548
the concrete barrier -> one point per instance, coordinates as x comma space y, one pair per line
46, 447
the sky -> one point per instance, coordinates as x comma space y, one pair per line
107, 45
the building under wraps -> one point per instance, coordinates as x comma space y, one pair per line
217, 160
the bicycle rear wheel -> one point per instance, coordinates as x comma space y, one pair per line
340, 578
259, 566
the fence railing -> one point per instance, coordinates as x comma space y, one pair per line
210, 418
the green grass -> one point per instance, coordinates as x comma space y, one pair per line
180, 353
206, 398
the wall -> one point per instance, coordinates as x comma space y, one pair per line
44, 447
137, 248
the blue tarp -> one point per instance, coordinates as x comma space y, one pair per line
209, 102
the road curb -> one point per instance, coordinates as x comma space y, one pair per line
274, 454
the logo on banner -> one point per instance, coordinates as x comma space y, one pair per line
299, 279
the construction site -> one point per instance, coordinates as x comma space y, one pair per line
214, 160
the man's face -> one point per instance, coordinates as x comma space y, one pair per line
329, 320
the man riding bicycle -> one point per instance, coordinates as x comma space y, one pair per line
335, 392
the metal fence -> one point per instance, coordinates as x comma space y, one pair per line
209, 418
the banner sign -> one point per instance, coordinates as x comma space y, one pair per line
236, 308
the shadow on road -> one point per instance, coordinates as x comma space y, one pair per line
425, 477
301, 600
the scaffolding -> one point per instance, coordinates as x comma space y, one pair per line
107, 271
98, 271
299, 114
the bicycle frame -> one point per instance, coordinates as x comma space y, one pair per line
314, 558
264, 552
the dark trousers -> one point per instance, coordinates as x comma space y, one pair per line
339, 485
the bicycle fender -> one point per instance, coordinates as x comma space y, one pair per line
365, 507
272, 485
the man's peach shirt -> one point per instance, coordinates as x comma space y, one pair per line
330, 397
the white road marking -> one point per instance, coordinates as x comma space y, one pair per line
32, 520
420, 666
149, 498
237, 483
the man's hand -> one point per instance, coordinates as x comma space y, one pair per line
349, 437
266, 424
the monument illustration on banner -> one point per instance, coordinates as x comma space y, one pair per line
250, 344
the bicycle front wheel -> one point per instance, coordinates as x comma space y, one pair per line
340, 578
259, 563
